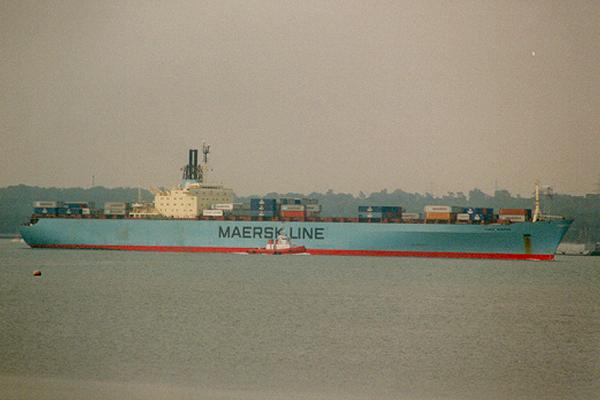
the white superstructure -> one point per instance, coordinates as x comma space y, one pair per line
194, 195
189, 201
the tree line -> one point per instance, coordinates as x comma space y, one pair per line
16, 203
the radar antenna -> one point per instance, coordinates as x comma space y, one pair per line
205, 151
203, 169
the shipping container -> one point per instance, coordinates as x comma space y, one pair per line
263, 204
292, 214
74, 211
515, 211
442, 216
463, 217
481, 217
47, 204
411, 216
212, 213
115, 205
443, 209
61, 211
223, 206
85, 211
114, 212
513, 218
292, 207
78, 204
479, 210
313, 208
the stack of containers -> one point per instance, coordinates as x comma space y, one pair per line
369, 213
475, 215
442, 213
76, 207
378, 213
265, 207
116, 208
47, 207
514, 214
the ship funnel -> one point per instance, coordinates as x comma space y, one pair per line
190, 171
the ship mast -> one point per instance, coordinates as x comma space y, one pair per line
537, 213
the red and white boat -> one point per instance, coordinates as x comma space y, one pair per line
281, 245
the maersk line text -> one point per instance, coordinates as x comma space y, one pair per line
270, 232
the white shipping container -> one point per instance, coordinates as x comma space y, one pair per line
115, 205
85, 211
47, 204
292, 207
223, 206
212, 213
313, 207
114, 212
463, 217
443, 209
407, 216
513, 218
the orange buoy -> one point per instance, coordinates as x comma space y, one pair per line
37, 273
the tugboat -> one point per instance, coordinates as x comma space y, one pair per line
279, 246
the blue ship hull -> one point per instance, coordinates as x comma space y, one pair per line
527, 240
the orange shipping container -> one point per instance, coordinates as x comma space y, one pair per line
439, 215
292, 214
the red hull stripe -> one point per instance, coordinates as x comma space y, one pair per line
378, 253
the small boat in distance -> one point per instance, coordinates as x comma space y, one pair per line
281, 245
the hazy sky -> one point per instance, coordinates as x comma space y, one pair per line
302, 96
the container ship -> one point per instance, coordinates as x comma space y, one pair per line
197, 216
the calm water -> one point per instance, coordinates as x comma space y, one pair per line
104, 325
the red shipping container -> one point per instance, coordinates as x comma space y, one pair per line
514, 211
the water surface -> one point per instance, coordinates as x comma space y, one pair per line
103, 325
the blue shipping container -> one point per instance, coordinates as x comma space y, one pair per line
263, 204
